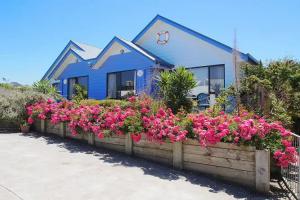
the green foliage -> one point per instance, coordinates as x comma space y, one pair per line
133, 124
272, 90
89, 102
6, 86
113, 102
81, 93
45, 87
13, 103
104, 103
174, 88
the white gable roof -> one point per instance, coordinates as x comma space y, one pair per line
72, 52
117, 44
180, 37
88, 51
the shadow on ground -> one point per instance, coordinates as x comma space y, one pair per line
214, 184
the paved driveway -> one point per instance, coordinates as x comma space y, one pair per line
38, 167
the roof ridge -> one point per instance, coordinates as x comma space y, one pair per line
83, 43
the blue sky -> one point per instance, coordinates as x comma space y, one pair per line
33, 33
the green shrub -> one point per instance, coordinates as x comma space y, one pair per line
113, 102
13, 103
104, 103
272, 90
174, 88
89, 102
45, 87
81, 93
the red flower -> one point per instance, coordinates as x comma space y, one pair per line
132, 99
100, 135
136, 138
30, 120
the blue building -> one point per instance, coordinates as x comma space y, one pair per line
124, 67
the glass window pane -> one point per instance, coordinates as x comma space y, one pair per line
120, 84
56, 86
127, 80
83, 81
201, 76
216, 79
112, 86
71, 83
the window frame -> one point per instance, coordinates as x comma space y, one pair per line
59, 88
209, 68
76, 82
116, 72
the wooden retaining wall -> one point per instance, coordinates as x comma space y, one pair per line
241, 164
162, 153
227, 161
116, 143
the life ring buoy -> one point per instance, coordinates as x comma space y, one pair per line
166, 37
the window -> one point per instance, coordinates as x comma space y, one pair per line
216, 79
56, 86
120, 84
83, 81
210, 81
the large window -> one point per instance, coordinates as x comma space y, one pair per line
82, 81
56, 86
210, 79
120, 84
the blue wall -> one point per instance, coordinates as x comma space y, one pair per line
97, 77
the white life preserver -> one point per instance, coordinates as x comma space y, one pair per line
165, 40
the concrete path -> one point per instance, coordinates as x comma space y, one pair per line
36, 167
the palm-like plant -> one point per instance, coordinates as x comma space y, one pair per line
175, 86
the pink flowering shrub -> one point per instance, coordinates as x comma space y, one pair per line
245, 129
144, 116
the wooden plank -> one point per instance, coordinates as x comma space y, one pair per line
77, 136
153, 152
219, 152
222, 145
111, 140
220, 162
149, 144
117, 136
155, 159
238, 176
177, 155
37, 125
115, 147
149, 156
85, 136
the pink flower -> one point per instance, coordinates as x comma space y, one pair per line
144, 110
30, 120
136, 138
132, 99
100, 135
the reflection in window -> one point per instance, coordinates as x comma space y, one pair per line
201, 76
82, 81
210, 81
120, 84
56, 86
216, 75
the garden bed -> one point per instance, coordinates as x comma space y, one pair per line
225, 160
240, 164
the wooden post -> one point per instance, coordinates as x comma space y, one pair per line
91, 138
128, 144
262, 163
177, 155
62, 129
43, 126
